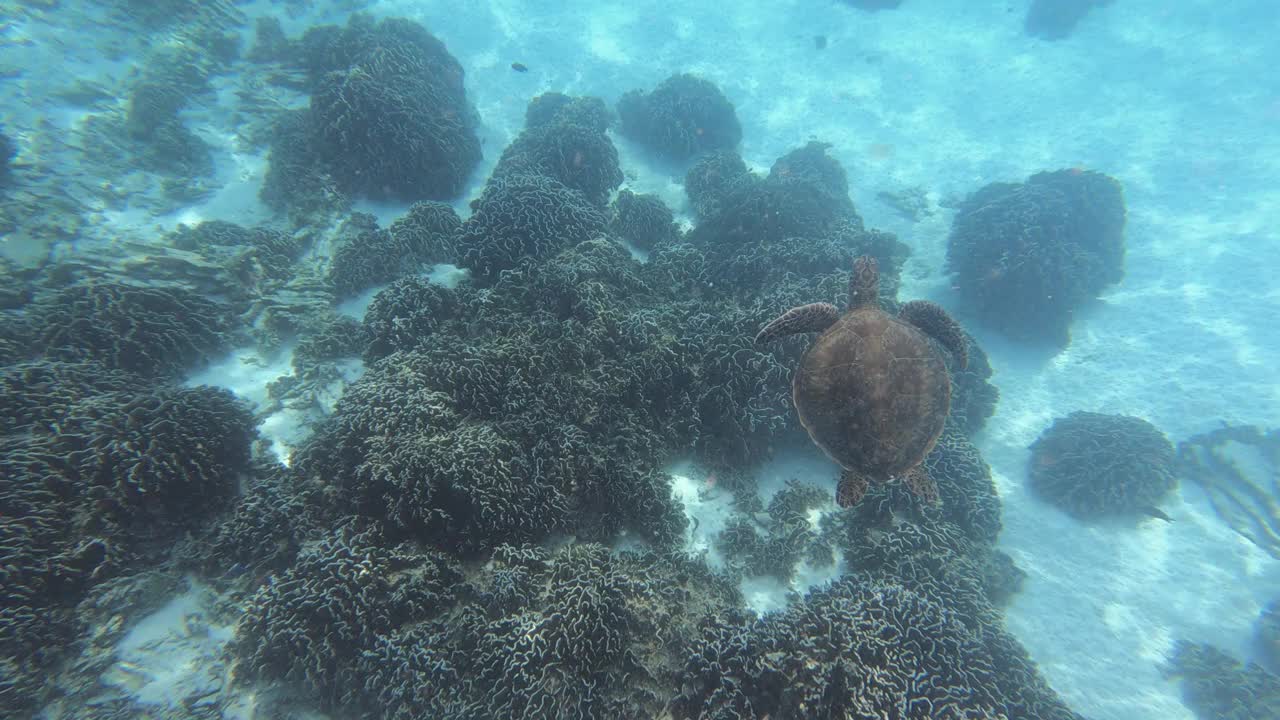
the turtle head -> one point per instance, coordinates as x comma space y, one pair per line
864, 283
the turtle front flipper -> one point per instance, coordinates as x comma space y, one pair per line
937, 324
814, 317
921, 485
851, 488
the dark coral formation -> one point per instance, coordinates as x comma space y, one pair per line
525, 217
1238, 467
296, 182
150, 331
389, 110
1027, 256
397, 632
1217, 686
973, 396
375, 256
406, 314
253, 262
569, 146
643, 220
1094, 465
388, 119
777, 544
97, 474
322, 615
713, 178
555, 108
682, 118
1056, 19
858, 649
1267, 636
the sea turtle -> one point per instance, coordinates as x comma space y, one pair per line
873, 391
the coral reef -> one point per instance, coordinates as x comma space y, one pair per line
1093, 465
557, 108
1027, 256
569, 146
525, 217
857, 649
296, 181
153, 332
1217, 686
973, 396
643, 220
422, 237
315, 621
389, 112
1236, 466
713, 178
97, 476
683, 117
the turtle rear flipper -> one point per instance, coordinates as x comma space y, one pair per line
921, 485
937, 324
852, 487
814, 317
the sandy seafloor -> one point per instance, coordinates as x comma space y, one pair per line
1169, 98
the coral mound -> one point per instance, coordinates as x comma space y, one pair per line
1219, 687
1027, 256
682, 118
858, 649
1094, 465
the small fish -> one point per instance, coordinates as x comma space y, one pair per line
1156, 512
519, 67
820, 42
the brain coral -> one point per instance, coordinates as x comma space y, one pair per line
1093, 465
682, 118
1026, 256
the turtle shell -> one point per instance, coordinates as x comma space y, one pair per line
873, 393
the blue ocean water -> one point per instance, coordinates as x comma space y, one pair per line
396, 359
